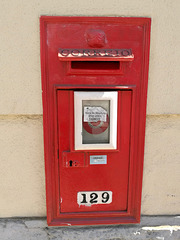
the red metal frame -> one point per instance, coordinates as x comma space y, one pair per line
137, 84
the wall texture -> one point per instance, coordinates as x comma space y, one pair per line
22, 181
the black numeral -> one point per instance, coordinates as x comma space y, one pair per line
93, 197
105, 197
84, 198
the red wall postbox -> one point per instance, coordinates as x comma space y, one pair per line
94, 83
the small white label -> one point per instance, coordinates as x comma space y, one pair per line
95, 197
98, 159
94, 114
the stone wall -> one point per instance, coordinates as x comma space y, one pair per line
22, 180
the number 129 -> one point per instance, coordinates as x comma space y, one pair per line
98, 197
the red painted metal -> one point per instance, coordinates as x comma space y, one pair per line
123, 173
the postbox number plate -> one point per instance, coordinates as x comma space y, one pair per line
96, 197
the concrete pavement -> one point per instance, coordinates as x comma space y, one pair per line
151, 228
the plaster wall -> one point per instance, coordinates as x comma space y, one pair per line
22, 182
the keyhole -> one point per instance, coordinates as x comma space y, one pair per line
70, 163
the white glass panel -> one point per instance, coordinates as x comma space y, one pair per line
95, 119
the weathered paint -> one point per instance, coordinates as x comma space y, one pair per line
162, 228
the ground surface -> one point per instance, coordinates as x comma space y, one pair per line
151, 228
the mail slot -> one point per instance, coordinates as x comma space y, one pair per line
94, 88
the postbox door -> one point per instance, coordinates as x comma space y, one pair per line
94, 146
